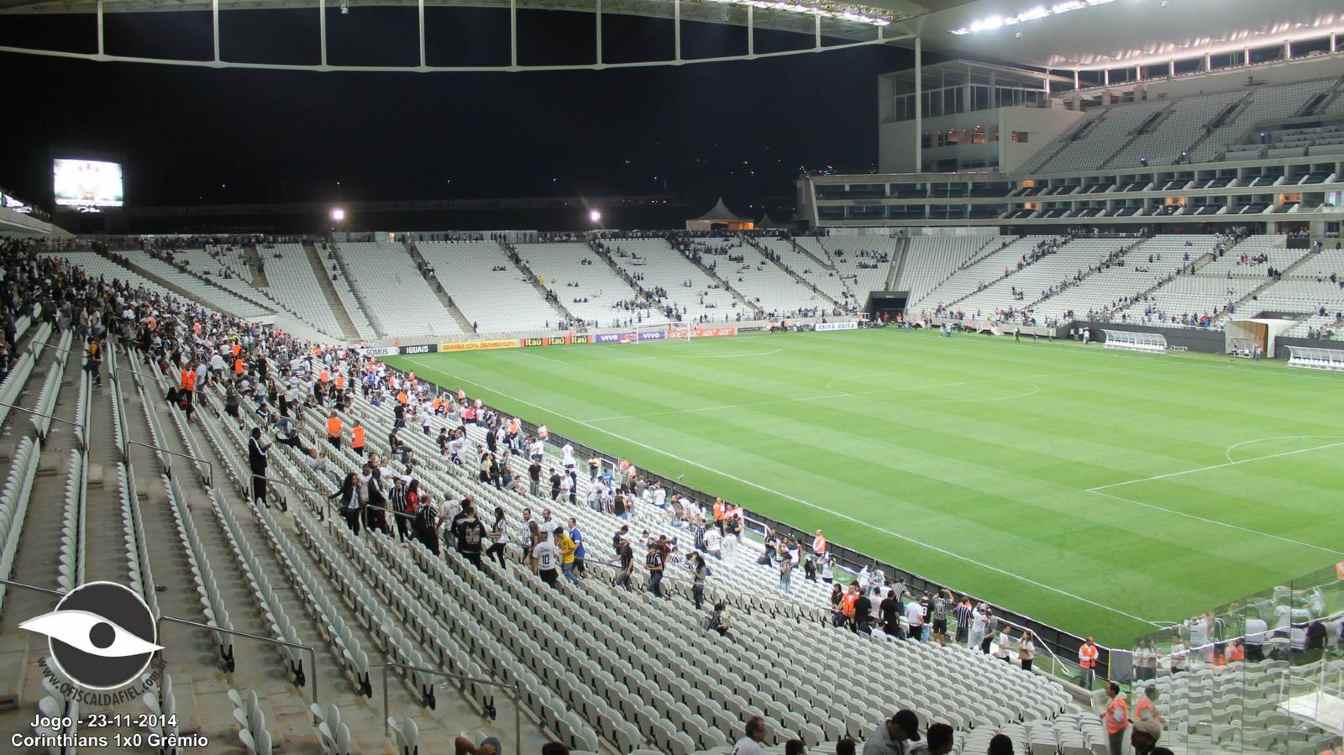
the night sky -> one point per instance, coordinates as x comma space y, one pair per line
190, 135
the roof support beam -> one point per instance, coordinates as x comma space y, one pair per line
676, 27
751, 32
214, 25
100, 28
322, 28
919, 105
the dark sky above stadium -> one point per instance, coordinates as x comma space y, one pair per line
191, 135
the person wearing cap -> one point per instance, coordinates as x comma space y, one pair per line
891, 735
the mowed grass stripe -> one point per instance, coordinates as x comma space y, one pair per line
1001, 481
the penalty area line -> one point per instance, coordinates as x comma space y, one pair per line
840, 515
1211, 467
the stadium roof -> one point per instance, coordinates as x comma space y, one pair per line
1105, 33
1061, 34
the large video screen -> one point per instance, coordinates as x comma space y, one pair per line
88, 183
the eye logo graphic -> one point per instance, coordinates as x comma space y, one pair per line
101, 635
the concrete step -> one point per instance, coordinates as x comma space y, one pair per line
348, 329
36, 561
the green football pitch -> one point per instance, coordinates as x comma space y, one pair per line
1098, 491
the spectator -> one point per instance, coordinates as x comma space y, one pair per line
488, 746
257, 459
567, 550
499, 537
750, 743
698, 580
654, 563
795, 747
348, 498
718, 620
1001, 744
914, 617
546, 557
939, 740
890, 612
1026, 650
580, 551
891, 735
863, 614
845, 746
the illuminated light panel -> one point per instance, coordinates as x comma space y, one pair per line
810, 10
990, 23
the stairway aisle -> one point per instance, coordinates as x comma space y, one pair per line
36, 562
348, 329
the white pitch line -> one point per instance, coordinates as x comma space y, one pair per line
854, 520
1217, 522
1184, 472
1227, 452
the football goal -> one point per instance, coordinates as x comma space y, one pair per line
1132, 341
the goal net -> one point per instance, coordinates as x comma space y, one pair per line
1155, 343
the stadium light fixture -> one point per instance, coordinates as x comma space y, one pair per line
337, 214
1035, 13
594, 216
848, 14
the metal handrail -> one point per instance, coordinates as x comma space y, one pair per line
515, 688
158, 631
312, 654
34, 588
51, 417
1055, 661
210, 469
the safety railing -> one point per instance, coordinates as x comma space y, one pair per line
514, 689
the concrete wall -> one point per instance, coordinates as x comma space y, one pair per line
1281, 345
896, 147
896, 140
1042, 127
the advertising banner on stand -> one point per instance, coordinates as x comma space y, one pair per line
826, 327
497, 343
422, 348
628, 336
702, 331
652, 335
